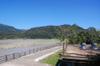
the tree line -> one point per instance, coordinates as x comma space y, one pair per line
73, 33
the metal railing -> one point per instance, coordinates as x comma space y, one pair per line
16, 55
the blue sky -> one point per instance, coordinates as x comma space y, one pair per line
25, 14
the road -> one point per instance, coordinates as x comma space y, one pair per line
31, 60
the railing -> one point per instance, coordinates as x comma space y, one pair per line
12, 56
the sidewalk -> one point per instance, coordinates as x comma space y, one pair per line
29, 60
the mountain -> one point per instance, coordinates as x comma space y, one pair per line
73, 33
51, 31
41, 32
8, 31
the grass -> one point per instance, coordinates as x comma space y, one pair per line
52, 60
98, 44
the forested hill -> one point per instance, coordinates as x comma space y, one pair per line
7, 29
74, 32
51, 31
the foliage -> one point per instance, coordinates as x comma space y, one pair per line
52, 60
73, 33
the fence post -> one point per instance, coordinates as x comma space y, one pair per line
24, 53
32, 50
6, 59
13, 55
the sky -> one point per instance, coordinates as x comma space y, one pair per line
25, 14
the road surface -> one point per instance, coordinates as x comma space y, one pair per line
30, 60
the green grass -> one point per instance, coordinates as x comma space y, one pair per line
52, 60
98, 44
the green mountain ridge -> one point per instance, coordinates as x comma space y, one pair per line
73, 32
8, 29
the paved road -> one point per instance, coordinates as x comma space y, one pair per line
30, 60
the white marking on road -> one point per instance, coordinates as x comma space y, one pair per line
46, 55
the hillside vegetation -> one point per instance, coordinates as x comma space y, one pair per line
73, 33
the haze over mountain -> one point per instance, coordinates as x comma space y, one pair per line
8, 29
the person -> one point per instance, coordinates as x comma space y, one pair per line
83, 45
88, 41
